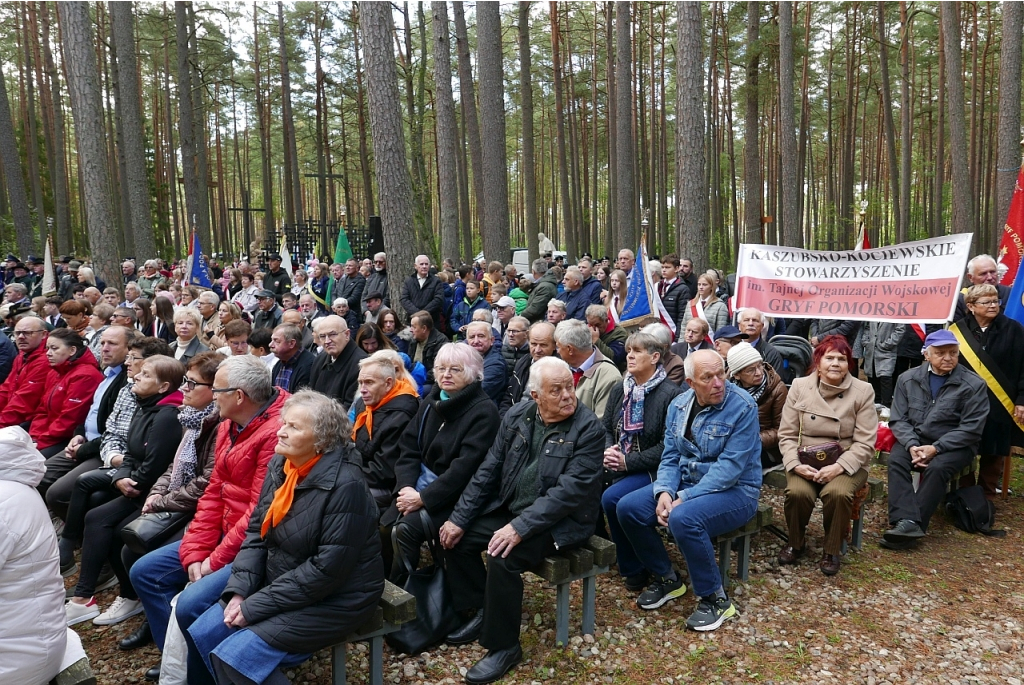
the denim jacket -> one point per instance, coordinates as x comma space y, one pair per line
726, 451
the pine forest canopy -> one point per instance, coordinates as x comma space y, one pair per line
475, 126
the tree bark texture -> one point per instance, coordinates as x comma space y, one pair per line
58, 178
495, 230
186, 126
1008, 162
962, 220
529, 169
447, 134
293, 198
889, 124
23, 230
752, 186
467, 97
789, 168
625, 149
691, 191
392, 172
567, 227
87, 109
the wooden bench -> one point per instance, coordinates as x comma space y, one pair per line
761, 519
78, 673
395, 608
873, 489
583, 563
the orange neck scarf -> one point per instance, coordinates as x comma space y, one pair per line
286, 493
401, 387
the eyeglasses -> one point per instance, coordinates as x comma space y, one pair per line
219, 390
190, 384
133, 358
330, 335
987, 303
23, 334
445, 370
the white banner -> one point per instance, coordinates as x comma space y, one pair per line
913, 282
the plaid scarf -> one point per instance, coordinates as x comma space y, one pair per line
184, 469
633, 396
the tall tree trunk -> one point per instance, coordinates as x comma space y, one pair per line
263, 124
529, 169
320, 135
136, 180
568, 230
611, 235
790, 168
495, 230
467, 98
293, 183
186, 125
119, 167
199, 134
364, 153
962, 220
752, 186
389, 159
23, 229
889, 125
31, 129
87, 109
420, 213
903, 225
58, 175
1008, 145
691, 192
172, 158
624, 144
447, 134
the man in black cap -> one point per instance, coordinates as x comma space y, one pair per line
268, 315
12, 261
22, 275
277, 280
38, 267
374, 306
68, 280
726, 337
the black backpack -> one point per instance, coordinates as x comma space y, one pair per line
971, 512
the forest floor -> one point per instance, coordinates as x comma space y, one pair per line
950, 611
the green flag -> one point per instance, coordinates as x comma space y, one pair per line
342, 253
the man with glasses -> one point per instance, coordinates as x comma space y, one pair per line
938, 414
123, 316
516, 344
335, 372
981, 270
208, 303
541, 344
22, 392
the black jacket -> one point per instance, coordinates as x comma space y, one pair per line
517, 381
153, 438
512, 355
337, 378
351, 288
318, 575
278, 282
690, 282
301, 363
954, 420
430, 347
376, 282
652, 440
450, 438
1002, 291
675, 300
429, 298
911, 343
570, 477
377, 455
271, 319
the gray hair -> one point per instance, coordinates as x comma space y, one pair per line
387, 363
339, 300
520, 320
132, 285
557, 304
575, 274
18, 287
573, 332
151, 263
380, 255
971, 264
661, 332
541, 368
188, 312
250, 375
289, 331
485, 315
209, 297
465, 356
597, 311
654, 267
539, 266
688, 363
330, 424
646, 342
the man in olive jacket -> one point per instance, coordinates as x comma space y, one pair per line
545, 287
536, 491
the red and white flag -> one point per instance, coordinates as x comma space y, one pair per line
862, 240
1011, 247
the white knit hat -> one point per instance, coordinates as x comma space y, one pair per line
741, 356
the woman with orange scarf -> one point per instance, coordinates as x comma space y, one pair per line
387, 401
310, 571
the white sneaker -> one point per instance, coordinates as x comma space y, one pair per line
58, 525
121, 610
77, 613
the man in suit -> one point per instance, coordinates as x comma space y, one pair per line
423, 291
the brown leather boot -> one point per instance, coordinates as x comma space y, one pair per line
789, 555
829, 564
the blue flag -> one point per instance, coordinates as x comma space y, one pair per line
197, 270
643, 306
1015, 303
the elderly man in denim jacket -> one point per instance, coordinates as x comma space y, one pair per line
708, 483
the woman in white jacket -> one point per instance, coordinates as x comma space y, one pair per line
31, 652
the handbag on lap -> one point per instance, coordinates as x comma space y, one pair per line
153, 531
818, 456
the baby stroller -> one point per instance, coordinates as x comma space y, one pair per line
796, 356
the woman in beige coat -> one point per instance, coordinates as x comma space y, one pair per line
828, 404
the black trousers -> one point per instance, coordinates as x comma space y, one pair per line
919, 506
883, 386
499, 588
59, 481
409, 535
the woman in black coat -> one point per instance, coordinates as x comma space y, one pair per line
634, 425
309, 572
440, 450
1000, 340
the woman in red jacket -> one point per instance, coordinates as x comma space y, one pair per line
73, 379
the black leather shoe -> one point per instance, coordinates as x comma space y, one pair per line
153, 674
495, 665
468, 631
140, 638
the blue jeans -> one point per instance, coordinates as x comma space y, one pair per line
158, 577
692, 524
629, 564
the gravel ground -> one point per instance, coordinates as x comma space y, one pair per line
951, 612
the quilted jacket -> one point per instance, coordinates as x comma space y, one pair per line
318, 574
376, 456
22, 392
240, 466
66, 400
